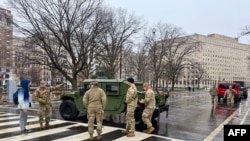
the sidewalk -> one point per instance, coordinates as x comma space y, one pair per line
185, 93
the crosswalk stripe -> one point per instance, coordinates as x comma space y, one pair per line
64, 130
17, 122
139, 136
60, 132
39, 135
7, 115
9, 119
85, 136
30, 126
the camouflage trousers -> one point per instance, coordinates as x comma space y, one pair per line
130, 119
44, 112
214, 98
147, 115
230, 102
95, 113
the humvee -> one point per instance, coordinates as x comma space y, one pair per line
72, 103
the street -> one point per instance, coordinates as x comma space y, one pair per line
191, 117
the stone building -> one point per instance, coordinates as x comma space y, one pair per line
6, 45
222, 58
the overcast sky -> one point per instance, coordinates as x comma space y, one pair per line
226, 17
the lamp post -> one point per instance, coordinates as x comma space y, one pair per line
121, 65
194, 71
154, 45
193, 80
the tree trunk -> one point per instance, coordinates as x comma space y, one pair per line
172, 85
74, 84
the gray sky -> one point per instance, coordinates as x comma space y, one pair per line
226, 17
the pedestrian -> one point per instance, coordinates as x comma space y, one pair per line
42, 95
189, 89
214, 94
131, 101
24, 103
149, 103
95, 101
229, 95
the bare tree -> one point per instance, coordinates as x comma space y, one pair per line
198, 71
169, 51
140, 63
245, 31
64, 31
115, 41
157, 52
35, 75
179, 53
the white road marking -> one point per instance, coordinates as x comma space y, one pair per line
244, 118
219, 128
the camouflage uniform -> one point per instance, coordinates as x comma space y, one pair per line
95, 101
42, 95
214, 94
131, 100
149, 102
229, 94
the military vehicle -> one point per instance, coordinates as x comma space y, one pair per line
72, 103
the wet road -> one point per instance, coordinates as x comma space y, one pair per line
192, 117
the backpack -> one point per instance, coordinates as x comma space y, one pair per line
15, 97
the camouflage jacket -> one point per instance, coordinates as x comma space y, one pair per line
213, 91
131, 98
42, 95
229, 93
94, 97
149, 100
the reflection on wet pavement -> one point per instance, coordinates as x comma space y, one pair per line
194, 118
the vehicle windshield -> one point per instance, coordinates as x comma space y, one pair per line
226, 86
87, 87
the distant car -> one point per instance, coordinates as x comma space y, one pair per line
244, 92
223, 86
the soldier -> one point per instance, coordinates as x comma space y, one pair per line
131, 101
229, 94
149, 102
214, 94
95, 101
42, 95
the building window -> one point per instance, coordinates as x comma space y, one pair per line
9, 21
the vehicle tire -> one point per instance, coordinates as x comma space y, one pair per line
155, 114
138, 114
225, 100
68, 110
220, 97
239, 99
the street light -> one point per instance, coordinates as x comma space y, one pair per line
194, 72
193, 80
154, 45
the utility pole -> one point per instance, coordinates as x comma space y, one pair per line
121, 64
